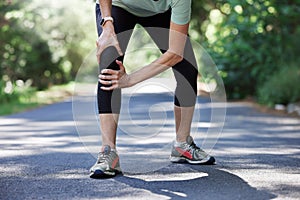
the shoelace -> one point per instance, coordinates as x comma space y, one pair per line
102, 157
194, 147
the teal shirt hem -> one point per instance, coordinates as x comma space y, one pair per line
181, 9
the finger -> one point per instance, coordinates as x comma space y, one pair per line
108, 88
108, 77
110, 71
105, 82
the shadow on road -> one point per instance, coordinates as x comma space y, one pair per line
42, 158
65, 176
212, 183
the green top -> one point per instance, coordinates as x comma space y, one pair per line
181, 9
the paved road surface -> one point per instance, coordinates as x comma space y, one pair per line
42, 157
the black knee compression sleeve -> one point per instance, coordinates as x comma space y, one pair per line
186, 89
109, 101
186, 73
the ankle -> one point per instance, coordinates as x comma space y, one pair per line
179, 143
112, 147
180, 139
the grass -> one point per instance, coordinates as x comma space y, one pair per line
38, 99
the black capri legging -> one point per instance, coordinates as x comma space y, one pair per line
157, 26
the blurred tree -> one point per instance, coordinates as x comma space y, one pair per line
24, 54
69, 29
44, 41
249, 40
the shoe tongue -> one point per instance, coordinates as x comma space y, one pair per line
189, 140
106, 149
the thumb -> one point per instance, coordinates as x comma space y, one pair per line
119, 49
122, 68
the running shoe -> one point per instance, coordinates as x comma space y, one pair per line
107, 164
189, 152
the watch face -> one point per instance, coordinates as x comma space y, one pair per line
102, 21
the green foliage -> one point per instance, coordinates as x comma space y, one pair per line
21, 96
282, 87
69, 29
252, 41
43, 42
26, 56
249, 39
15, 92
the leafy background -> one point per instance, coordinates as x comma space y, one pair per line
254, 43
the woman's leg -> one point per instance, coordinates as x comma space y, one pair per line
109, 102
185, 73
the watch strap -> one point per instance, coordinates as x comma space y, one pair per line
105, 19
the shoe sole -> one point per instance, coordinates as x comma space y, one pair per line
210, 161
99, 174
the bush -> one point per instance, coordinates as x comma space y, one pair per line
26, 56
282, 88
249, 39
40, 41
15, 91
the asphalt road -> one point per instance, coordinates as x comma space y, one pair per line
43, 157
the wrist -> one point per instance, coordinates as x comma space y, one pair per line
108, 27
106, 20
130, 81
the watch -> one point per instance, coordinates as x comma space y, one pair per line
105, 19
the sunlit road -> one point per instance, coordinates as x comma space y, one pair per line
42, 157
